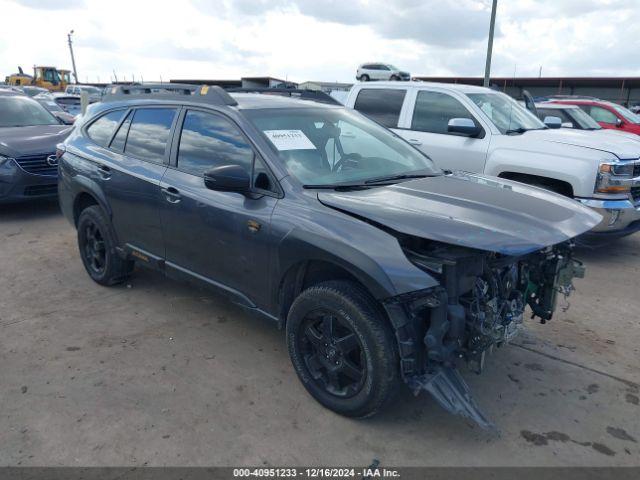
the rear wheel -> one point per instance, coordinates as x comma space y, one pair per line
364, 78
342, 348
98, 248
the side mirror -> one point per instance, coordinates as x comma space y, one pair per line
463, 126
553, 122
228, 178
618, 122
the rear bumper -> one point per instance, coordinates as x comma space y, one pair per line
619, 218
17, 185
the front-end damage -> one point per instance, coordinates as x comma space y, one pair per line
479, 304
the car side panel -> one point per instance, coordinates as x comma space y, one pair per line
306, 230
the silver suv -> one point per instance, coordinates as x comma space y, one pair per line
380, 71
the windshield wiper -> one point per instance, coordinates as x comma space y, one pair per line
338, 186
391, 178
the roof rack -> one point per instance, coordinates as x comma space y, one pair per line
313, 95
164, 91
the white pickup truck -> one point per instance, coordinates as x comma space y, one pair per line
480, 130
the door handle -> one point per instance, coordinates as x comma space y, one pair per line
414, 141
171, 194
104, 172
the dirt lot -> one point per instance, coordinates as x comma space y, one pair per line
159, 373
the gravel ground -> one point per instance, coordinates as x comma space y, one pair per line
160, 373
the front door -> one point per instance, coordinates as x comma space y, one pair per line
222, 238
425, 127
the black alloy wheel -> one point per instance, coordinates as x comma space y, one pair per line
333, 355
343, 348
94, 250
97, 245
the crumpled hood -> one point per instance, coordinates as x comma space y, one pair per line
21, 141
472, 211
622, 146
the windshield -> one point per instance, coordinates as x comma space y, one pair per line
19, 111
328, 146
583, 119
627, 114
505, 113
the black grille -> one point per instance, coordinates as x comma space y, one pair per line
636, 170
34, 190
37, 164
635, 193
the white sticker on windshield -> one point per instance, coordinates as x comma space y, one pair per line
289, 140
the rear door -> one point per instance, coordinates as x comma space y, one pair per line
132, 178
425, 125
383, 105
223, 238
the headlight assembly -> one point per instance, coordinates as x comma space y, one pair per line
614, 177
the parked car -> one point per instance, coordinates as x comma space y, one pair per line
28, 138
381, 267
47, 101
69, 103
571, 116
607, 114
95, 93
32, 91
380, 71
476, 129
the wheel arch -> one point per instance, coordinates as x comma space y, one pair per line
88, 194
559, 186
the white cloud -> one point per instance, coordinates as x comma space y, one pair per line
319, 39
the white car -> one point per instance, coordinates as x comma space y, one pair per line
480, 130
94, 92
380, 71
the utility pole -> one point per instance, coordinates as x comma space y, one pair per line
73, 60
487, 67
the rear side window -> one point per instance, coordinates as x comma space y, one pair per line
433, 111
102, 129
121, 137
208, 141
149, 133
380, 104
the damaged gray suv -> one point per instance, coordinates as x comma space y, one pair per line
382, 268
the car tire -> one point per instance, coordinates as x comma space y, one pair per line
97, 246
364, 77
343, 348
394, 78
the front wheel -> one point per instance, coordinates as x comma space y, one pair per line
364, 78
98, 248
343, 349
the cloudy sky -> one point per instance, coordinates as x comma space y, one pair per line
319, 39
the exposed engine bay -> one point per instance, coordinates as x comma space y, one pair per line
480, 304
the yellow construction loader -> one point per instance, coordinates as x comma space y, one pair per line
51, 78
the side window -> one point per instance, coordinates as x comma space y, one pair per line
380, 104
433, 111
603, 115
101, 130
556, 112
208, 140
121, 137
149, 133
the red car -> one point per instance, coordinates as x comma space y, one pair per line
608, 114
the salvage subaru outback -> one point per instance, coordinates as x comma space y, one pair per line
382, 268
